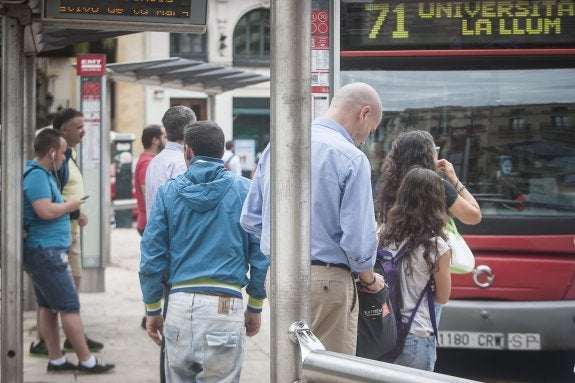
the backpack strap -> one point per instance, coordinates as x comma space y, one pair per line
431, 306
425, 292
53, 199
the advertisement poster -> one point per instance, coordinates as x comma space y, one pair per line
246, 151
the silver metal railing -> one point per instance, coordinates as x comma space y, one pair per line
124, 204
319, 365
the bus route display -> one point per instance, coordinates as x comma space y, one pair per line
404, 25
134, 12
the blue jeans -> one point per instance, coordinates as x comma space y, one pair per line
418, 352
53, 284
204, 337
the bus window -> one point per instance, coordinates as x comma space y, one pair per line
510, 134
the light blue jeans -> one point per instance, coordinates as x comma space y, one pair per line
204, 337
418, 352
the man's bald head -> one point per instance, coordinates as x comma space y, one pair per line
357, 93
357, 107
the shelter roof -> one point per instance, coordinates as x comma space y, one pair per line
176, 72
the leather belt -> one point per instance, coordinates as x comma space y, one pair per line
338, 265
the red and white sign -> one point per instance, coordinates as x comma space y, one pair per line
320, 54
91, 65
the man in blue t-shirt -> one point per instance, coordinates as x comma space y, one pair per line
46, 243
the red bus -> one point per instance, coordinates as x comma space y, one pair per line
494, 83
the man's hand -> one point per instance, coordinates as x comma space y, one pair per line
375, 285
155, 328
253, 322
82, 219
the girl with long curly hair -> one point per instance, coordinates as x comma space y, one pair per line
417, 148
416, 221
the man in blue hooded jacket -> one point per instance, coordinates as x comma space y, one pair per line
193, 234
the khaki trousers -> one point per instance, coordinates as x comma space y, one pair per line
334, 308
74, 252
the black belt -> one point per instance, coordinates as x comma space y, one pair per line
338, 265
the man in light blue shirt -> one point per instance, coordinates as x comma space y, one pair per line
343, 234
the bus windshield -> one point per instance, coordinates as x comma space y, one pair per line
509, 134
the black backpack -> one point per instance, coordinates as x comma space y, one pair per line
381, 331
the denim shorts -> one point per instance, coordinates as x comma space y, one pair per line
53, 283
418, 352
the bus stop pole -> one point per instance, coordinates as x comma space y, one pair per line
29, 131
11, 367
290, 181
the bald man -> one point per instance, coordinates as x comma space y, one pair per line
343, 234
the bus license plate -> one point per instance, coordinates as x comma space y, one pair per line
468, 339
489, 340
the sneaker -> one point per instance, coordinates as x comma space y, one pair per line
67, 366
39, 349
99, 368
93, 345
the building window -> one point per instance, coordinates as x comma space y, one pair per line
517, 124
189, 46
560, 118
252, 39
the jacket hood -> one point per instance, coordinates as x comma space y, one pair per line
204, 184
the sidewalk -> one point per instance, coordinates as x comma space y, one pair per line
114, 318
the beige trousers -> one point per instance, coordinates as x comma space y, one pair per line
334, 308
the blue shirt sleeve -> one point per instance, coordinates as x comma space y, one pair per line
251, 218
255, 217
359, 237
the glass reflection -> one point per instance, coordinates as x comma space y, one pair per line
509, 134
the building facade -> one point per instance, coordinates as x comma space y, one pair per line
238, 36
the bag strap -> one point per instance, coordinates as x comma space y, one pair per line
229, 159
426, 291
26, 173
431, 306
53, 199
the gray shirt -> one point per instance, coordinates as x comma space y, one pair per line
412, 285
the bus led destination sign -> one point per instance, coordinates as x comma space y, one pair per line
167, 15
390, 25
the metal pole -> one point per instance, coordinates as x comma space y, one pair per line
12, 163
290, 180
28, 302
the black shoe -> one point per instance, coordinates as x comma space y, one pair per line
98, 368
93, 345
39, 349
67, 366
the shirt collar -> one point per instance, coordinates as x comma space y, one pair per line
174, 146
333, 125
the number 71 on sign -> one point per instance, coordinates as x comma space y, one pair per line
384, 10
